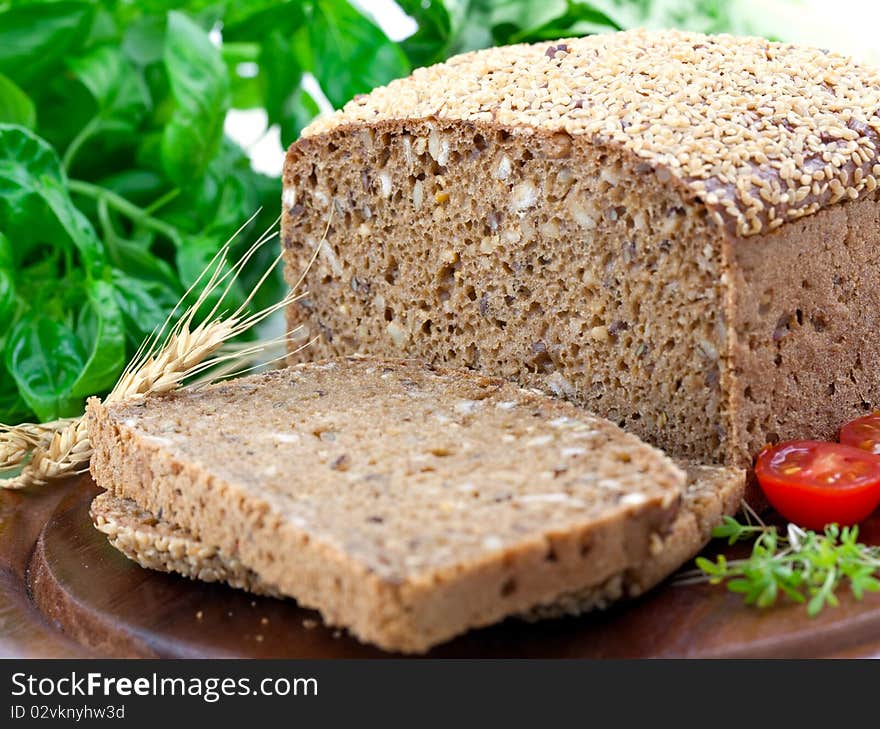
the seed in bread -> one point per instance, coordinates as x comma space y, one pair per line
678, 231
404, 502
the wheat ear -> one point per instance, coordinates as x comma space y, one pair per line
168, 357
17, 441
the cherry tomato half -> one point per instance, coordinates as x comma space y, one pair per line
813, 483
863, 433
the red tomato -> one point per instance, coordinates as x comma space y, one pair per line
812, 483
863, 433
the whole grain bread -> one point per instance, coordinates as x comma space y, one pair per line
404, 502
711, 492
679, 231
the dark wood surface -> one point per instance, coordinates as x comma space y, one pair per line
65, 592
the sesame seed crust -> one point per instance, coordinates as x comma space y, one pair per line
760, 132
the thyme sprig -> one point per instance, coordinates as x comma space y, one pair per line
803, 565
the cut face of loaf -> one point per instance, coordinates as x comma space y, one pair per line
623, 220
405, 503
710, 493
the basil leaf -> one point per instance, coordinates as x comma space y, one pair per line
118, 89
7, 258
471, 26
245, 76
200, 87
12, 408
298, 111
139, 186
45, 358
144, 40
220, 200
135, 259
581, 19
7, 284
100, 329
35, 206
351, 54
255, 19
192, 258
7, 297
144, 304
281, 73
15, 105
432, 37
523, 15
34, 36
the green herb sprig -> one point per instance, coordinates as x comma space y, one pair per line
803, 565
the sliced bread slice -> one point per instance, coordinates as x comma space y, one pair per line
711, 493
404, 502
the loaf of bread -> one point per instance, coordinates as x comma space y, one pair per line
680, 232
711, 492
405, 503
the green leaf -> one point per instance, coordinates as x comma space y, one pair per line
256, 19
581, 18
35, 36
286, 102
121, 101
193, 257
298, 111
45, 358
246, 88
12, 408
100, 329
144, 303
35, 206
137, 185
281, 73
136, 260
525, 15
351, 54
15, 105
200, 87
144, 40
430, 41
7, 296
118, 89
222, 198
7, 257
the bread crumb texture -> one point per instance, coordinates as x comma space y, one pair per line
405, 502
762, 132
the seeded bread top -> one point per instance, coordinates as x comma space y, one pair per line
406, 468
762, 132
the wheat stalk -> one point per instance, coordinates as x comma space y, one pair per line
17, 441
167, 358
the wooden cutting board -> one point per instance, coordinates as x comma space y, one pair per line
65, 592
